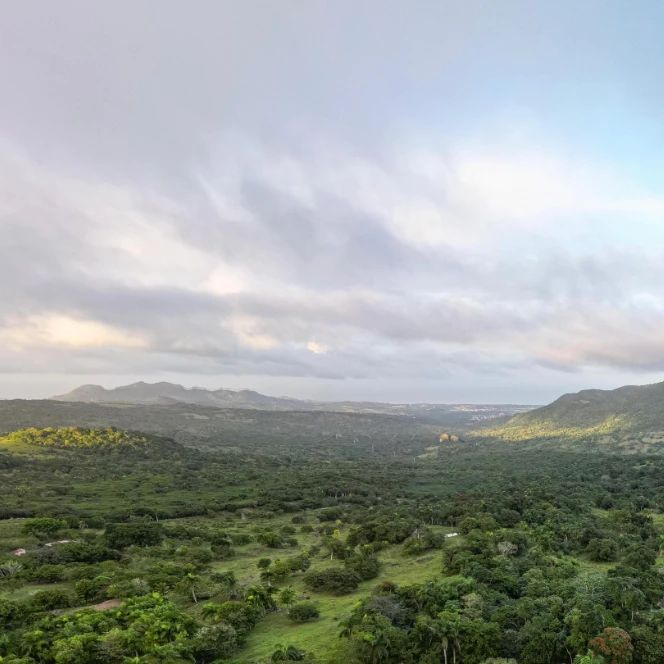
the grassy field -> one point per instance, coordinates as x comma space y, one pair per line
319, 636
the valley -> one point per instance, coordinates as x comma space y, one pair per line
319, 537
330, 332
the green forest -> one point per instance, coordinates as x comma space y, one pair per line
127, 547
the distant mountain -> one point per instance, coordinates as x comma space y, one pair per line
634, 413
164, 393
169, 393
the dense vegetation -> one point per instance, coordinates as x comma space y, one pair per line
327, 434
349, 432
630, 417
74, 437
137, 549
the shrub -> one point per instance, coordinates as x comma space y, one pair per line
91, 590
225, 578
602, 550
212, 642
366, 567
335, 580
300, 563
273, 540
288, 654
426, 541
46, 573
46, 600
77, 552
43, 527
240, 615
303, 612
142, 533
11, 613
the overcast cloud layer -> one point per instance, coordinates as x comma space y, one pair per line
400, 201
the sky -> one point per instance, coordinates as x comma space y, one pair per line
400, 201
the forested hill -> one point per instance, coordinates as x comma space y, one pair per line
631, 413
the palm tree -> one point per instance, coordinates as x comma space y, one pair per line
261, 597
10, 568
287, 596
448, 628
188, 585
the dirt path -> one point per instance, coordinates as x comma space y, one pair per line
108, 604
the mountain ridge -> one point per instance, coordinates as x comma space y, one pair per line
630, 411
164, 393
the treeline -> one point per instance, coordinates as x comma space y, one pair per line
76, 437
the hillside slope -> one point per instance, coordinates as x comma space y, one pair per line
631, 413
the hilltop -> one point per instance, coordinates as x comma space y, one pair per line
631, 414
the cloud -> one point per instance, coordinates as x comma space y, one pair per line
317, 348
325, 263
58, 331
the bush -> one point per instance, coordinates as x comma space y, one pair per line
303, 612
239, 615
366, 567
602, 550
77, 552
43, 527
335, 580
426, 541
91, 590
271, 539
278, 571
46, 573
264, 563
299, 563
239, 539
11, 613
288, 654
393, 531
225, 578
141, 533
222, 551
46, 600
201, 555
212, 642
